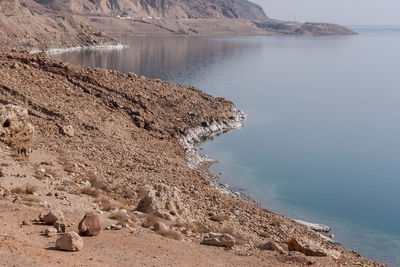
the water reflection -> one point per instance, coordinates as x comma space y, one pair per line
167, 58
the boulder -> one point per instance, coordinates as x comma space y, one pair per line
307, 247
162, 201
15, 129
90, 225
59, 226
160, 227
219, 240
52, 216
70, 241
272, 246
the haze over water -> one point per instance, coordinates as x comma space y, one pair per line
322, 141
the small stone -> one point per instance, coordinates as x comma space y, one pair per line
59, 226
70, 241
25, 222
113, 227
160, 227
50, 232
68, 130
49, 194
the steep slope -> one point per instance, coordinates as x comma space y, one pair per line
22, 28
170, 9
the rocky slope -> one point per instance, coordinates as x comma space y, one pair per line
168, 9
20, 27
109, 142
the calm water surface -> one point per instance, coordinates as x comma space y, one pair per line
322, 141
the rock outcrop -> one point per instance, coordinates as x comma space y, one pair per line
90, 224
307, 247
15, 129
162, 201
70, 241
219, 240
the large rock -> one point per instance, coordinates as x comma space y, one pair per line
70, 241
162, 201
15, 129
219, 240
90, 224
52, 216
307, 247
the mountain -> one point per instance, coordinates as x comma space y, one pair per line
188, 17
21, 27
168, 9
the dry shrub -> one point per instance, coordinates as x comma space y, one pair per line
170, 234
69, 168
198, 227
18, 190
90, 191
99, 185
152, 219
119, 216
239, 239
59, 150
30, 189
105, 204
39, 176
219, 218
30, 199
127, 193
264, 235
122, 218
195, 227
51, 172
276, 223
5, 164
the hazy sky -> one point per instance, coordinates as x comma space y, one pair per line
347, 12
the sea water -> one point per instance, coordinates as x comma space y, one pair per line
322, 140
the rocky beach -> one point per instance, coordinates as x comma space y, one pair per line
112, 143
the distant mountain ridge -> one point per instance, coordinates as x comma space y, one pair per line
168, 9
